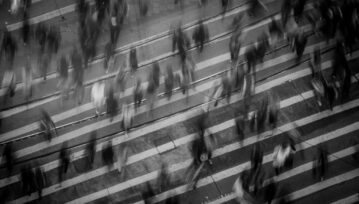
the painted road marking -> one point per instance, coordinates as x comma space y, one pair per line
227, 148
350, 199
142, 42
209, 179
18, 109
294, 172
88, 106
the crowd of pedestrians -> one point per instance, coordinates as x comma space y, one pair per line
331, 20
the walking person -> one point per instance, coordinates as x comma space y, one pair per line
40, 177
169, 82
8, 154
64, 159
91, 149
138, 94
108, 155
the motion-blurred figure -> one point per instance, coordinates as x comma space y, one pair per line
47, 126
121, 79
111, 103
299, 43
9, 48
63, 82
235, 46
8, 154
91, 149
78, 75
283, 156
98, 96
27, 179
200, 35
255, 6
41, 181
138, 93
133, 60
108, 155
163, 178
64, 159
320, 164
169, 82
127, 115
298, 8
9, 83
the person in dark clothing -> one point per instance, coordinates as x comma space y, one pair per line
112, 104
133, 60
299, 43
138, 93
78, 74
25, 30
108, 155
200, 35
163, 178
224, 4
47, 126
169, 82
40, 177
320, 162
156, 73
91, 149
9, 48
235, 46
148, 193
143, 7
285, 11
271, 191
256, 156
181, 42
28, 180
240, 128
9, 157
298, 8
64, 158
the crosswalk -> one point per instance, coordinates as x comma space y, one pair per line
167, 134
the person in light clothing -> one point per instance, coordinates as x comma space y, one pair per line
98, 95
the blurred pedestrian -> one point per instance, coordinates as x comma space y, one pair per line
121, 79
298, 8
235, 46
40, 177
9, 49
109, 56
64, 159
283, 156
320, 164
111, 104
62, 70
47, 126
169, 82
78, 75
299, 43
25, 30
138, 93
275, 32
9, 83
28, 179
98, 96
163, 178
133, 60
200, 35
256, 156
91, 149
224, 4
270, 191
8, 154
127, 116
108, 155
285, 11
240, 125
143, 7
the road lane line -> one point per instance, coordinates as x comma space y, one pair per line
228, 148
296, 171
143, 42
350, 199
129, 91
18, 109
214, 177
